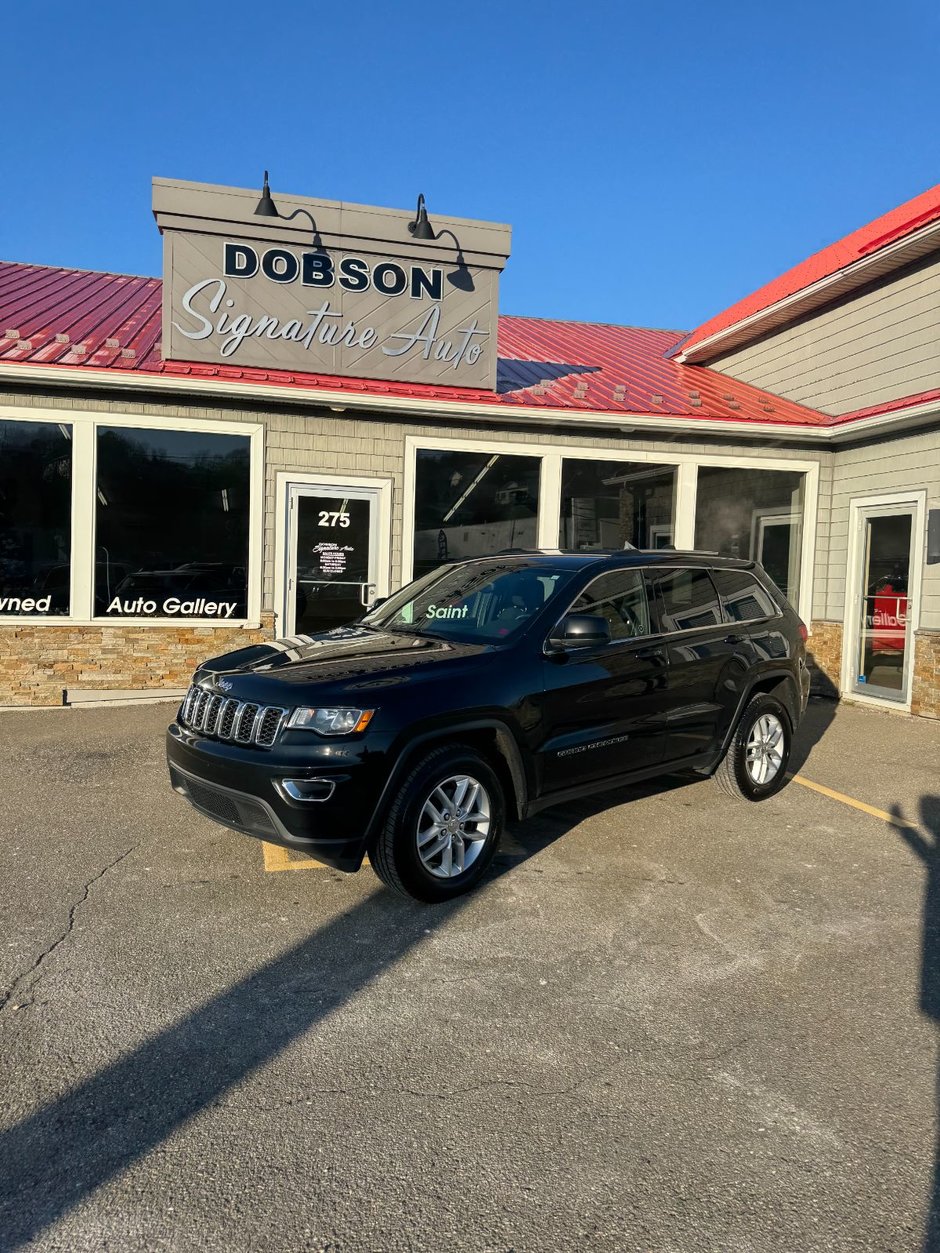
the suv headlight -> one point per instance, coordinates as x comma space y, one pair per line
335, 721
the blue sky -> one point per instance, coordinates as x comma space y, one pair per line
656, 161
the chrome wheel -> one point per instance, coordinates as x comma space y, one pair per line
763, 754
453, 826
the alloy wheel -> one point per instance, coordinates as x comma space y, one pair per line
453, 826
763, 753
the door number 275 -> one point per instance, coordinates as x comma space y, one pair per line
335, 517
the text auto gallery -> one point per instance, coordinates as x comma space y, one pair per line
320, 402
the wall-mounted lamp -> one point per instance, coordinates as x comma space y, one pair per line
266, 208
421, 228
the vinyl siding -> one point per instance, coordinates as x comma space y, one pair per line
821, 557
879, 344
898, 465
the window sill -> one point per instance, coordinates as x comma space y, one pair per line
49, 621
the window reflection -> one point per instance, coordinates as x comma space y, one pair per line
471, 504
742, 596
35, 517
755, 514
620, 598
482, 603
686, 600
613, 504
171, 535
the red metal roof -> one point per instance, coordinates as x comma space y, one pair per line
96, 321
890, 227
931, 397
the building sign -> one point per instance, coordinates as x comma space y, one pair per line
356, 297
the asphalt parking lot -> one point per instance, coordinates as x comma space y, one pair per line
672, 1023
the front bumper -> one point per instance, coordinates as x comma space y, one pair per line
244, 789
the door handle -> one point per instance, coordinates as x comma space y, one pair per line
734, 639
656, 651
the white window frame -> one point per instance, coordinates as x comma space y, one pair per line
686, 464
658, 531
763, 518
336, 483
85, 424
916, 501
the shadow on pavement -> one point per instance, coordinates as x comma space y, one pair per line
926, 845
53, 1159
819, 716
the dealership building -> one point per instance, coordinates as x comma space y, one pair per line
320, 400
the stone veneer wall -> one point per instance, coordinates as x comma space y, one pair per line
38, 663
824, 647
925, 696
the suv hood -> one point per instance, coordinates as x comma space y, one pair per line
346, 661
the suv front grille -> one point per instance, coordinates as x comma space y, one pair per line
224, 718
268, 726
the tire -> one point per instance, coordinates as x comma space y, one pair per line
420, 857
755, 765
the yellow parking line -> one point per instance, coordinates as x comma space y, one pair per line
850, 800
276, 857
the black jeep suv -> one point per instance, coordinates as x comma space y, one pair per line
494, 688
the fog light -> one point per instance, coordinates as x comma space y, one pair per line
309, 789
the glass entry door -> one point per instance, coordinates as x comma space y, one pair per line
883, 644
333, 556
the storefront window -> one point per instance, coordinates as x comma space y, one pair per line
35, 517
171, 537
472, 504
755, 514
610, 504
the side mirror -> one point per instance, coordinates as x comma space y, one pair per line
379, 600
580, 630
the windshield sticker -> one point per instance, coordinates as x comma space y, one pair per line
446, 611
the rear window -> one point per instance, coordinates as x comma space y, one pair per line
743, 597
686, 599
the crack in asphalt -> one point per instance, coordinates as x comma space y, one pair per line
446, 1095
532, 1089
705, 1059
7, 995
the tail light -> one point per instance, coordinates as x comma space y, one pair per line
804, 633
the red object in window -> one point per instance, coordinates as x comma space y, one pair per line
889, 620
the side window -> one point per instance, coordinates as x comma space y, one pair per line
687, 599
743, 597
620, 597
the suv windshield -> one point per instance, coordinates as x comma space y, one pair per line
473, 603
